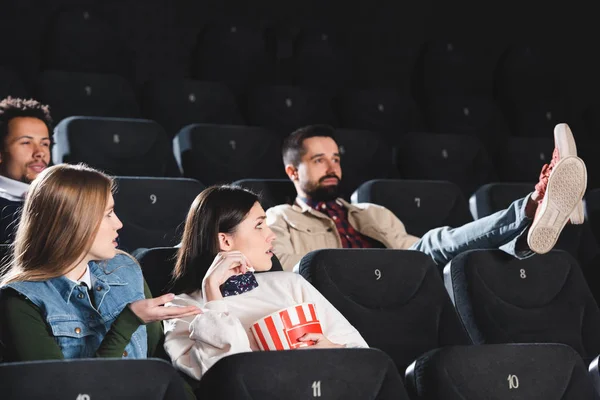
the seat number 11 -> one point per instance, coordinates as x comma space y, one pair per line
316, 387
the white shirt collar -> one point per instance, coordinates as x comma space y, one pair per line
12, 190
86, 278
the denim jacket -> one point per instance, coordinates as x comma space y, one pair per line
77, 325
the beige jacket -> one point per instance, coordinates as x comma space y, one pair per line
300, 229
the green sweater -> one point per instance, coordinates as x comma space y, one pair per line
26, 335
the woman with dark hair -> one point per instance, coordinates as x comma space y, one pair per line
225, 241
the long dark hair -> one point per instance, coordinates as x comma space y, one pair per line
218, 209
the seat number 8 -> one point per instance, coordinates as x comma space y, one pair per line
522, 274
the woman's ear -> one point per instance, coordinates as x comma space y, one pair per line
225, 242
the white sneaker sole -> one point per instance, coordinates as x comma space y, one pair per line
564, 140
566, 186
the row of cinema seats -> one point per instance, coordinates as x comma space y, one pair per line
225, 153
404, 305
183, 39
381, 115
157, 263
175, 103
401, 305
495, 372
492, 327
528, 83
153, 209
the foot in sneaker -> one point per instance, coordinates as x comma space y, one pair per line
562, 185
564, 144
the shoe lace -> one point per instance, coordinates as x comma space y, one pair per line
540, 187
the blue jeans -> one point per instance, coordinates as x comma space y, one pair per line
500, 230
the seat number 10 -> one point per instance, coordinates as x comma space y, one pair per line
513, 382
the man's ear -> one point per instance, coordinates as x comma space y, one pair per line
225, 242
292, 172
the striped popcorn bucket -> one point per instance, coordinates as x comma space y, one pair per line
281, 329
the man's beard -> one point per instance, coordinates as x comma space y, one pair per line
317, 192
26, 179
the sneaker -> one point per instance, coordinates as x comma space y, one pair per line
564, 142
563, 184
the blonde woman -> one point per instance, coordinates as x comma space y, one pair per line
67, 292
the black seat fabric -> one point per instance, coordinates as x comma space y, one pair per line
499, 372
226, 153
153, 210
531, 89
319, 57
379, 110
467, 115
577, 240
158, 263
286, 108
394, 298
493, 197
541, 299
118, 146
22, 54
11, 84
420, 205
10, 213
272, 192
460, 159
528, 68
592, 211
175, 103
391, 59
97, 378
451, 67
538, 117
365, 155
325, 373
161, 33
85, 38
5, 250
85, 94
520, 159
233, 51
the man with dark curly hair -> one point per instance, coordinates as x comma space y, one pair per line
25, 138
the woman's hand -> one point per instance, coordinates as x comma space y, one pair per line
150, 310
224, 266
321, 342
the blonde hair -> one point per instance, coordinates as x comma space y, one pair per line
60, 219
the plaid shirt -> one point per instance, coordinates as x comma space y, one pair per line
351, 238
